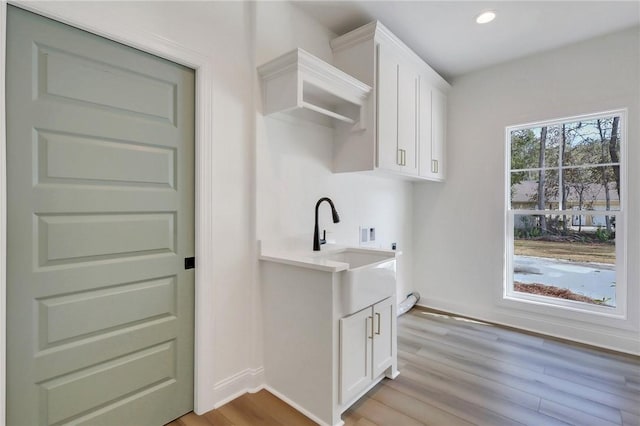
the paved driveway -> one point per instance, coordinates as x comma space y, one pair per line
594, 280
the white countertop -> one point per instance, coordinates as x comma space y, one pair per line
299, 254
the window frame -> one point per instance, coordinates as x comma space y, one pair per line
557, 306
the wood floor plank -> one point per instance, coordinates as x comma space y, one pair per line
496, 402
459, 372
616, 387
365, 422
629, 419
416, 409
599, 357
574, 416
192, 419
350, 418
471, 381
461, 346
216, 418
633, 384
574, 400
242, 412
526, 356
520, 381
462, 328
457, 406
383, 415
278, 409
594, 394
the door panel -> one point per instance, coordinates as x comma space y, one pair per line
78, 78
75, 159
100, 148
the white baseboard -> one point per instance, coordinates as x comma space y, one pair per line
250, 380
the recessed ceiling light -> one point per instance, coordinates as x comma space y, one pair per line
486, 17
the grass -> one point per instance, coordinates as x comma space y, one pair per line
567, 250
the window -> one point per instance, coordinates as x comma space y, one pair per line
565, 213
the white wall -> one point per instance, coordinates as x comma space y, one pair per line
459, 226
294, 161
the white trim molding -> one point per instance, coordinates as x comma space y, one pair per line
249, 380
204, 390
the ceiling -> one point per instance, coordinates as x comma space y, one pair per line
445, 35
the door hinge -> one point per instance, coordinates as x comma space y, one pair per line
189, 262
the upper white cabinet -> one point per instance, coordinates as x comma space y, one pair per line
408, 107
302, 84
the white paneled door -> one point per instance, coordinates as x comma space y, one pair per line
100, 219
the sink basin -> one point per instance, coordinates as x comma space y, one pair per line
370, 277
357, 259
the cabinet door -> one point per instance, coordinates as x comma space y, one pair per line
356, 335
398, 91
382, 336
408, 99
438, 132
433, 108
424, 147
387, 107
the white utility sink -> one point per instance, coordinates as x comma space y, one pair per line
370, 277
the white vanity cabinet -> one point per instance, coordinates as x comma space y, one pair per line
366, 348
329, 326
407, 107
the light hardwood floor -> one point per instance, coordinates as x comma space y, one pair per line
460, 372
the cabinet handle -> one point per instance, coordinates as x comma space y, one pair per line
434, 166
402, 157
399, 157
378, 315
367, 323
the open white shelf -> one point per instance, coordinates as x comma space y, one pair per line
299, 81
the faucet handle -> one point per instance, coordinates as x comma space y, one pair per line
324, 237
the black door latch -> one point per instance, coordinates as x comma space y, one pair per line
189, 262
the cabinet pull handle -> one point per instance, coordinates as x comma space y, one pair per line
367, 323
399, 157
403, 157
378, 315
434, 166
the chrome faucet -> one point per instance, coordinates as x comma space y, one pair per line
316, 233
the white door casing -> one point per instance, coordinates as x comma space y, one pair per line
203, 65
